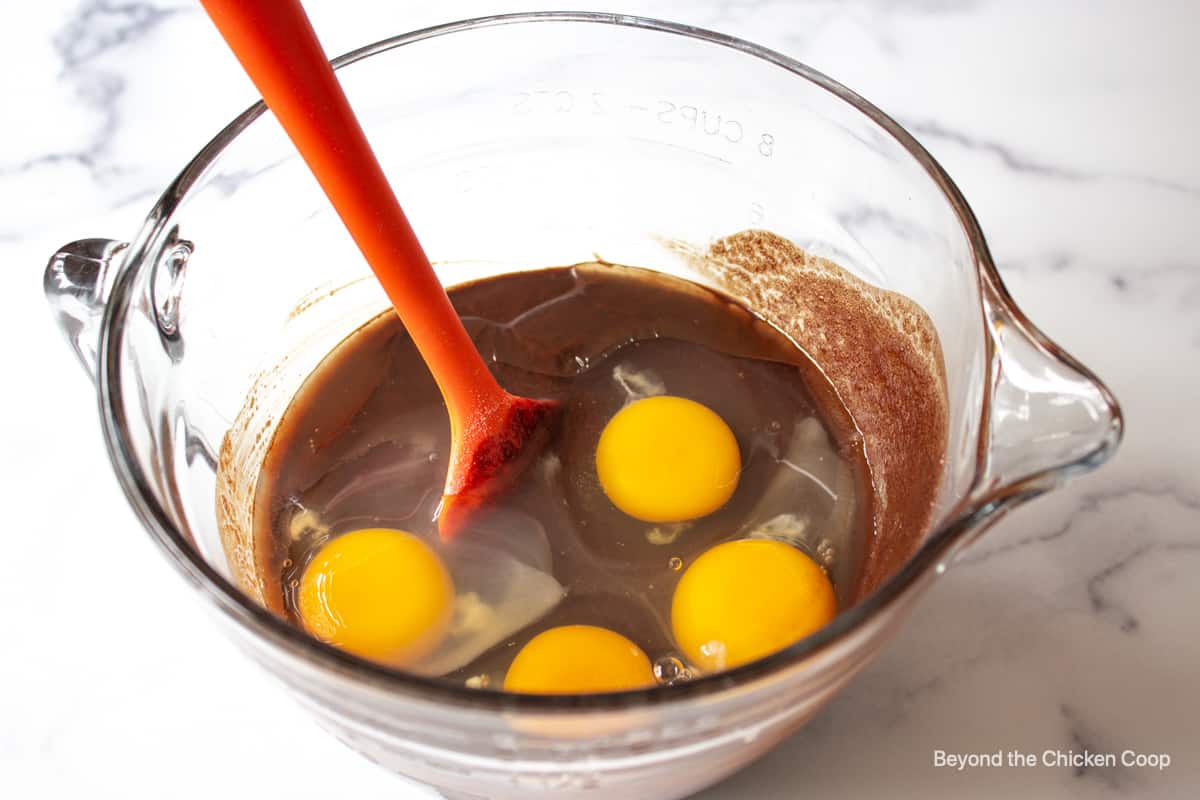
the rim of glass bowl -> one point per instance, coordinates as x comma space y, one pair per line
972, 512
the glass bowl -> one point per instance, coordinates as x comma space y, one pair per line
531, 140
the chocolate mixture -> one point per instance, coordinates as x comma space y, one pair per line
364, 441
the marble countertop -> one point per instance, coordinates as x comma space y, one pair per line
1073, 128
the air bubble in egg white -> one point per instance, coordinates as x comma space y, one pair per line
670, 670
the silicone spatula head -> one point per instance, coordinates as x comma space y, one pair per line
487, 455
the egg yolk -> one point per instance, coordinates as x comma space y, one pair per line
574, 659
745, 599
667, 459
379, 593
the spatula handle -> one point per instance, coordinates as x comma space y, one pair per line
278, 48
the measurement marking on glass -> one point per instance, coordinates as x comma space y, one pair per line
706, 122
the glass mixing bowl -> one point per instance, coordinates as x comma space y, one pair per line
532, 140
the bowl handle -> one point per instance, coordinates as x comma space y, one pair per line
76, 283
1049, 418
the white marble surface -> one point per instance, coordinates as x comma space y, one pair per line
1074, 129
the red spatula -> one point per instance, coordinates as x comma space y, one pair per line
492, 433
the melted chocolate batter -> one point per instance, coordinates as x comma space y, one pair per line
364, 444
